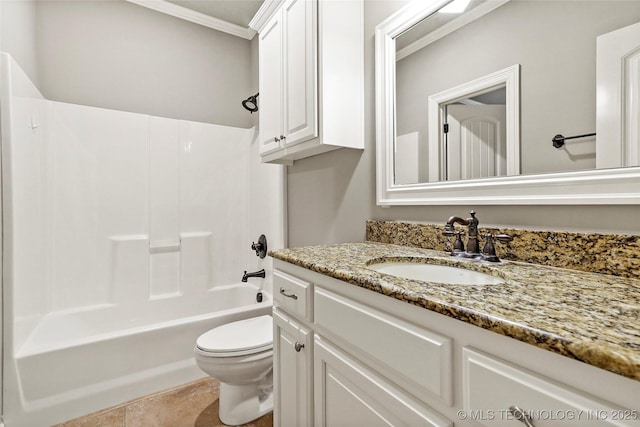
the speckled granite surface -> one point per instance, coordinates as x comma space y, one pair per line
590, 317
614, 254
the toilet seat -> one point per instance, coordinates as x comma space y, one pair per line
243, 337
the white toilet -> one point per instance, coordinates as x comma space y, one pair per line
240, 356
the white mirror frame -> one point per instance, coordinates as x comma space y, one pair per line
590, 187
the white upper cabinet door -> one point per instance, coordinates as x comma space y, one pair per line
270, 58
300, 71
618, 98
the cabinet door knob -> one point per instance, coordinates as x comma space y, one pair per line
276, 139
283, 137
284, 293
521, 416
298, 346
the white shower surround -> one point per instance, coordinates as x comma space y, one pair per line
125, 237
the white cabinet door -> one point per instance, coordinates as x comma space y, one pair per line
300, 71
270, 76
349, 394
292, 372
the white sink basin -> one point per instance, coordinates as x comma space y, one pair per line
436, 273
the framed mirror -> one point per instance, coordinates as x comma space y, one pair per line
468, 103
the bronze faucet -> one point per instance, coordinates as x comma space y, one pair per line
259, 273
473, 245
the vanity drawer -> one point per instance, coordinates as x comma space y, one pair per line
415, 358
293, 295
491, 386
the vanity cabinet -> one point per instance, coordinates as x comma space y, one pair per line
353, 378
292, 351
311, 78
380, 361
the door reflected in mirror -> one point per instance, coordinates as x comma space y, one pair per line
474, 137
471, 141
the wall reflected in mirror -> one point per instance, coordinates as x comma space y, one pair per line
555, 43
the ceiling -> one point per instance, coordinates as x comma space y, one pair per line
238, 12
229, 16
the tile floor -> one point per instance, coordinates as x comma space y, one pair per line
191, 405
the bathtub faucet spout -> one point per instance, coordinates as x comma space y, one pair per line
246, 275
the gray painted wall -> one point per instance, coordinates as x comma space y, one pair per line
330, 196
18, 34
254, 80
118, 55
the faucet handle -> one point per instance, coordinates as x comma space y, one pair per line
458, 246
260, 247
503, 238
489, 250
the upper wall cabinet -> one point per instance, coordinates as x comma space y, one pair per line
311, 76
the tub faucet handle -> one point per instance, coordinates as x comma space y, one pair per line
260, 247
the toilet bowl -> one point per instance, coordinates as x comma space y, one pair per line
240, 355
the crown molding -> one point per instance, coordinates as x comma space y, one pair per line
196, 17
263, 14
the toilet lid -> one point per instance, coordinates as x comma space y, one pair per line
249, 335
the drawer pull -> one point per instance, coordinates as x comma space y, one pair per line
521, 416
284, 293
298, 346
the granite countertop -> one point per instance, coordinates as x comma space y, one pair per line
594, 318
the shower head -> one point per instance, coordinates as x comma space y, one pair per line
251, 103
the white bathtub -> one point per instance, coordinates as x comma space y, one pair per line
82, 361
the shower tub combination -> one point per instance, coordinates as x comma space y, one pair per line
86, 359
125, 238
